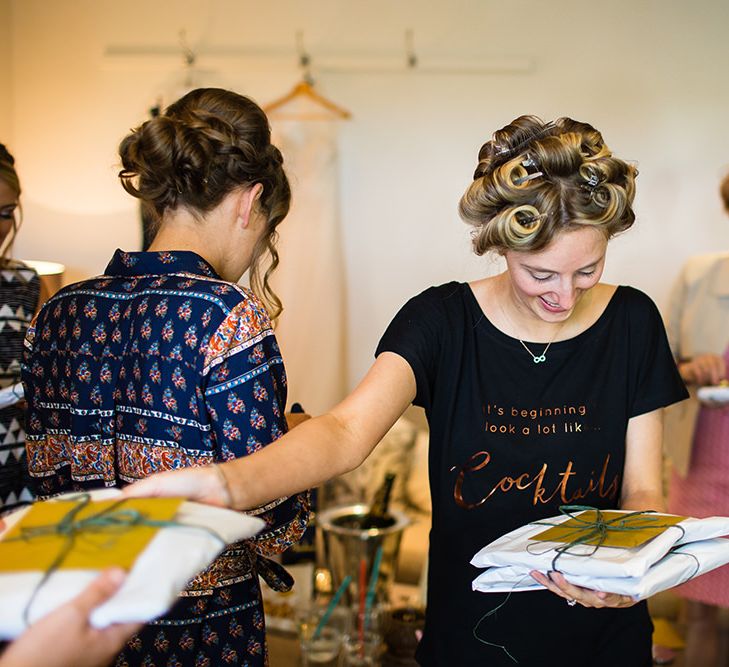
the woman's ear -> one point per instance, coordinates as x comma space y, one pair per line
247, 202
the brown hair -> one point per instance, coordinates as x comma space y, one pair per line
10, 176
724, 191
536, 179
205, 145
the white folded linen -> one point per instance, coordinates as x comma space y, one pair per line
678, 566
172, 558
518, 549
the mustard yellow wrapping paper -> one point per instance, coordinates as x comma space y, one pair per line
624, 531
90, 549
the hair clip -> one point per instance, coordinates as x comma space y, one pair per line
529, 177
529, 162
530, 221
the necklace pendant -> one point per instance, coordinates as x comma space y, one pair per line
541, 358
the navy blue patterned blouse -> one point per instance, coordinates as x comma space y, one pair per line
161, 364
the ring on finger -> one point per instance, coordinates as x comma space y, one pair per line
572, 602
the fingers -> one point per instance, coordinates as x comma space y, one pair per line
99, 590
705, 369
204, 484
558, 585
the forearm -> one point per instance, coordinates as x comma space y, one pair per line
317, 450
643, 471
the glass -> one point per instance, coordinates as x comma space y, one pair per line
324, 649
363, 650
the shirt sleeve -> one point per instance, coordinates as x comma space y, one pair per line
245, 395
416, 334
656, 382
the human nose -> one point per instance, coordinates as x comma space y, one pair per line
566, 294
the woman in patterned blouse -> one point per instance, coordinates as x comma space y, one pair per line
165, 362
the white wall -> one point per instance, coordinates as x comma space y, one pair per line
6, 69
644, 72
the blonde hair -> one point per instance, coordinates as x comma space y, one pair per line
536, 179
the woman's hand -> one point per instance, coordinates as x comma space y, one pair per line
206, 484
65, 638
556, 583
705, 369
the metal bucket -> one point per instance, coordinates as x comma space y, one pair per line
345, 548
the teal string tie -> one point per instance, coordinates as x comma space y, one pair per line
596, 532
112, 520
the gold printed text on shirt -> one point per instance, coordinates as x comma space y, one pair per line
565, 488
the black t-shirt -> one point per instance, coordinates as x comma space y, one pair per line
510, 441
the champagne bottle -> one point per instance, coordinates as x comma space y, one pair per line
379, 516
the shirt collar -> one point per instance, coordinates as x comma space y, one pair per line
155, 263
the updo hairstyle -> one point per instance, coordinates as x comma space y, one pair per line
9, 176
205, 145
535, 180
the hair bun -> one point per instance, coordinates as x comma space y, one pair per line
5, 155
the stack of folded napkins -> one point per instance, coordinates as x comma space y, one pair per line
630, 553
177, 541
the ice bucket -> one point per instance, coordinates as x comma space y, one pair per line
345, 546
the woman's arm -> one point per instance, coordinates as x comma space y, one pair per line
643, 469
313, 452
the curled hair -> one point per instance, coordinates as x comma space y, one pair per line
9, 176
205, 145
536, 179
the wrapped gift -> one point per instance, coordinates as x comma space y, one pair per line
50, 551
678, 566
595, 543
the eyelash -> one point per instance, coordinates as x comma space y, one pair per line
586, 274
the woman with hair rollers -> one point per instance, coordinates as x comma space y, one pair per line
479, 357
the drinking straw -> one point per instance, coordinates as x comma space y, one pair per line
362, 595
331, 606
373, 583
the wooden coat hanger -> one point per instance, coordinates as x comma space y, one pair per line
305, 89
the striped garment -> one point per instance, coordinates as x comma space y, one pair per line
19, 293
705, 492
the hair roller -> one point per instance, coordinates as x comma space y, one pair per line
535, 180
